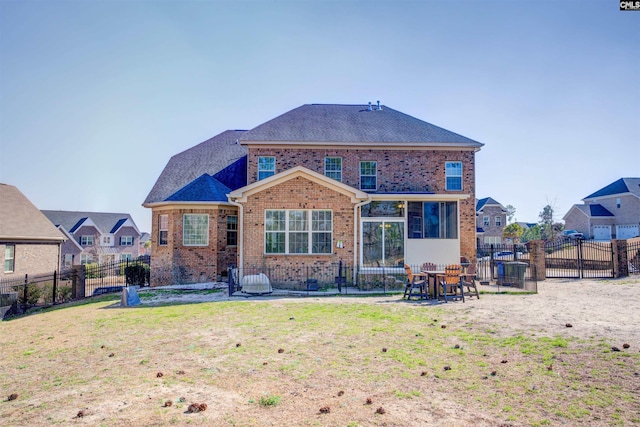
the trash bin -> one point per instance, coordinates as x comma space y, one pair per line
514, 273
312, 284
500, 266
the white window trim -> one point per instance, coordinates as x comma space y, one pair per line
233, 230
498, 220
184, 231
161, 229
454, 176
326, 172
486, 221
88, 238
309, 231
12, 258
375, 162
273, 172
126, 237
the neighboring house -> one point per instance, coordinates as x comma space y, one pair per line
96, 237
491, 218
613, 212
29, 243
368, 185
144, 244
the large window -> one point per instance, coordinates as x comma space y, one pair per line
298, 231
9, 258
195, 230
333, 168
368, 175
454, 175
163, 230
266, 167
232, 230
86, 240
438, 220
382, 243
126, 241
126, 257
86, 259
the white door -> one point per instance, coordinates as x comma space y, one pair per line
602, 232
626, 231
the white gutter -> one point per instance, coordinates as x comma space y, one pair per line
355, 236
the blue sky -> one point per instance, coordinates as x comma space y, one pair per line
96, 96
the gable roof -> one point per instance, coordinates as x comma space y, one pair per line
353, 125
487, 201
595, 210
621, 186
106, 222
241, 194
203, 189
21, 220
219, 155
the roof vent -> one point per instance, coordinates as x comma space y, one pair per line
379, 107
369, 109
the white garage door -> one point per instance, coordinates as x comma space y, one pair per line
602, 232
626, 231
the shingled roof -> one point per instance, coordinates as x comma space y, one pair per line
215, 157
105, 221
21, 220
621, 186
486, 201
352, 124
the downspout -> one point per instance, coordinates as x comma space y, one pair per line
240, 234
355, 235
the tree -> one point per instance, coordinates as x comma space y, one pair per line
513, 231
511, 211
532, 233
549, 228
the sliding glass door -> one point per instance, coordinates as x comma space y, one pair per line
382, 243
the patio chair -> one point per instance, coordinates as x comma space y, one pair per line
469, 281
451, 283
414, 283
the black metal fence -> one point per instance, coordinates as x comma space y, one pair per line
578, 258
506, 267
24, 293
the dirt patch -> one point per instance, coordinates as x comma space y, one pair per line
543, 359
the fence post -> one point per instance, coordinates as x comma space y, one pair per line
55, 286
24, 294
537, 259
620, 258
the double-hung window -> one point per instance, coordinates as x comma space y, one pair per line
333, 168
369, 175
195, 230
126, 241
163, 230
498, 221
486, 221
9, 258
298, 231
232, 230
266, 167
453, 172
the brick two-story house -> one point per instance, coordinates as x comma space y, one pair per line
29, 243
491, 218
611, 212
364, 184
96, 237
